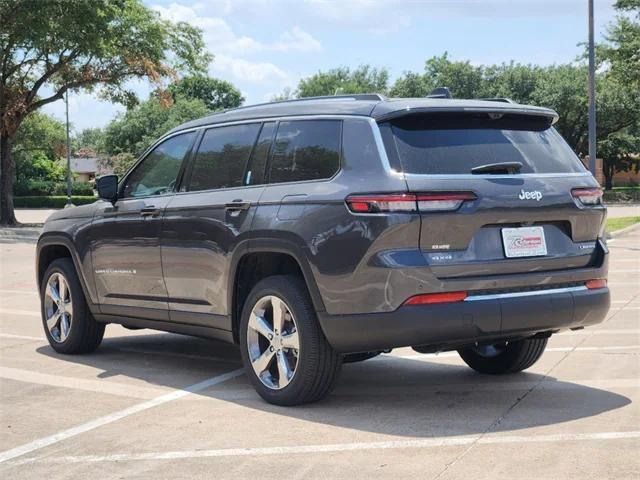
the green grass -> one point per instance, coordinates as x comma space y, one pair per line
614, 224
622, 189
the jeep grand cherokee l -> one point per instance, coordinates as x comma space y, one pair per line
317, 231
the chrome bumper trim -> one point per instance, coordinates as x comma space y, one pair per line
530, 293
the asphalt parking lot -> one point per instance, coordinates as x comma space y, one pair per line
155, 405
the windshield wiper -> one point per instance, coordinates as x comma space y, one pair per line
498, 168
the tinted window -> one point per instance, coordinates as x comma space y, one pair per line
258, 163
222, 157
157, 173
456, 144
306, 150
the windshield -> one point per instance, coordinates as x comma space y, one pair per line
454, 144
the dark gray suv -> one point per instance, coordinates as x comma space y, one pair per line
318, 231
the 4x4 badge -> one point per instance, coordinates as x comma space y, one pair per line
532, 195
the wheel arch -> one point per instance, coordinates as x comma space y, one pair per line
277, 257
53, 246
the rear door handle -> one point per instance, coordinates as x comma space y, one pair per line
150, 212
237, 205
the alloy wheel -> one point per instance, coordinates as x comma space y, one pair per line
272, 342
58, 307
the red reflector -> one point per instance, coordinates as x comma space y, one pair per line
596, 283
431, 298
359, 206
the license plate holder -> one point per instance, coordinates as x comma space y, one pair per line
524, 242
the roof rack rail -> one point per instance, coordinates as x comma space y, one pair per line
497, 99
440, 92
356, 96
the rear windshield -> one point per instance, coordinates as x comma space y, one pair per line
454, 144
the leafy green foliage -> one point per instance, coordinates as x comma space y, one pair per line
140, 126
81, 44
88, 142
343, 80
622, 46
118, 164
40, 133
216, 94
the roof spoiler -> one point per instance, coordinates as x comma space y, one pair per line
444, 92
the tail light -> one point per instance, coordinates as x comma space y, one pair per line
435, 202
408, 202
431, 298
587, 196
596, 283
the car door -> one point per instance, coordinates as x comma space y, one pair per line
205, 222
125, 236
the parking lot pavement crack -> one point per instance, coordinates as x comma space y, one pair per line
494, 425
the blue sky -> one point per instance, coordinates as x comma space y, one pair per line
264, 46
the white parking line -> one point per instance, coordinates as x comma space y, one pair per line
87, 385
115, 416
24, 313
338, 447
22, 337
20, 292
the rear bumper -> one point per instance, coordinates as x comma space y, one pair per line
450, 325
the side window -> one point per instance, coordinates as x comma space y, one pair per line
258, 163
222, 157
157, 173
306, 150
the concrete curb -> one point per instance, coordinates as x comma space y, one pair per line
623, 231
20, 233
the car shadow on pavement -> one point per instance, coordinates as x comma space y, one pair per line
392, 396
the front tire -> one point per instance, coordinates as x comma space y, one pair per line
504, 357
284, 352
68, 323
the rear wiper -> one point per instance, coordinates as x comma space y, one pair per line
498, 168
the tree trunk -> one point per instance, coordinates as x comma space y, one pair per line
608, 171
7, 176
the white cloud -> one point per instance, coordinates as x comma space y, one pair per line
220, 37
246, 71
297, 40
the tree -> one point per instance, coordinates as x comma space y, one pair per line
343, 80
40, 133
287, 94
118, 164
216, 94
89, 139
136, 129
80, 45
622, 44
619, 153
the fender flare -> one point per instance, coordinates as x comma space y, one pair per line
64, 240
273, 245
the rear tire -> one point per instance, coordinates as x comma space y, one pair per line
68, 323
501, 358
315, 366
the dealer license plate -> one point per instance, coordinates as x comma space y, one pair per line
524, 242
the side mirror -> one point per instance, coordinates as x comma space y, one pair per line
107, 186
